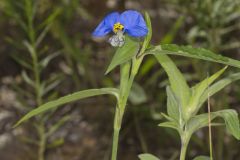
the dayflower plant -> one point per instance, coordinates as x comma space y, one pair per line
129, 56
130, 22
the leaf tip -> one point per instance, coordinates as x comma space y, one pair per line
19, 122
107, 71
16, 125
225, 67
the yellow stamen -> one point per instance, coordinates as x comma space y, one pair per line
117, 27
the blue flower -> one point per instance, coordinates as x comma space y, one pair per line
130, 22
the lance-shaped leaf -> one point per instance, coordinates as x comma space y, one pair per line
198, 90
230, 117
137, 94
148, 38
218, 86
67, 99
124, 53
199, 53
177, 81
170, 124
173, 108
147, 156
201, 158
169, 37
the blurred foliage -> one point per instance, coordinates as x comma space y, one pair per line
70, 60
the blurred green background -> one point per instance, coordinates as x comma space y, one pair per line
50, 40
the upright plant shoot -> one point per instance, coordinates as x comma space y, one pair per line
133, 24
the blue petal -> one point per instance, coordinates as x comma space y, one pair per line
106, 24
134, 23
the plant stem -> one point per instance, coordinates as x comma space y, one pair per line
42, 142
183, 152
115, 144
184, 144
120, 108
41, 129
37, 81
29, 11
126, 82
117, 127
209, 126
32, 47
36, 77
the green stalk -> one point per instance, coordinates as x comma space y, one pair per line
115, 144
185, 137
117, 127
210, 127
36, 76
42, 141
41, 128
36, 72
120, 108
126, 82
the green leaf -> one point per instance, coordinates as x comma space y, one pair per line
171, 34
56, 143
27, 79
149, 35
43, 63
137, 94
172, 105
49, 87
67, 99
167, 117
57, 125
171, 124
198, 90
218, 86
147, 156
230, 117
191, 52
201, 158
177, 81
198, 121
71, 51
22, 61
232, 122
124, 53
150, 62
51, 17
125, 69
42, 35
